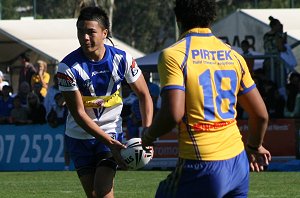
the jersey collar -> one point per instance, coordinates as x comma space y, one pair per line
197, 32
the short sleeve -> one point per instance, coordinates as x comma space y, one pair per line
170, 72
132, 71
66, 78
247, 83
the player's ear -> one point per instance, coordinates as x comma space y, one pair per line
105, 34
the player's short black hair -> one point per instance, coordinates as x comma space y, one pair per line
95, 14
195, 13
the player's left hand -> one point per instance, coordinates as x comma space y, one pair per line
258, 158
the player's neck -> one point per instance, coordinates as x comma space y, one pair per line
96, 55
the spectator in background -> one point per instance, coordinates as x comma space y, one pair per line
52, 91
6, 105
246, 53
59, 111
274, 44
292, 107
153, 89
40, 80
274, 101
2, 81
37, 112
27, 71
128, 98
134, 121
24, 90
19, 114
58, 116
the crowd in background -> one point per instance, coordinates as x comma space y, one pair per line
37, 103
34, 102
282, 99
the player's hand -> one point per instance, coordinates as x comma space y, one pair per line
147, 140
258, 158
115, 148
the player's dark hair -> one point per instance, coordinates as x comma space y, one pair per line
95, 14
195, 13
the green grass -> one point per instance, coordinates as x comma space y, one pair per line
131, 184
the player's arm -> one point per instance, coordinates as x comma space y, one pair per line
75, 105
170, 114
254, 105
145, 101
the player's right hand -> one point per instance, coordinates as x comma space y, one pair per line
115, 148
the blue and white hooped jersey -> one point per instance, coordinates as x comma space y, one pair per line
99, 83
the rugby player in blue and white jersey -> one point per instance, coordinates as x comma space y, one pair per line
90, 80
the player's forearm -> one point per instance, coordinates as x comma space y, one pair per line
86, 123
146, 107
162, 124
257, 130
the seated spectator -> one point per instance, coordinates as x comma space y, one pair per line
52, 91
59, 112
37, 111
6, 105
19, 114
40, 80
2, 81
23, 92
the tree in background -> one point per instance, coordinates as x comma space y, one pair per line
147, 25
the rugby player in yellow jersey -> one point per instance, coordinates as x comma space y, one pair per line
202, 79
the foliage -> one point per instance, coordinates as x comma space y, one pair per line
146, 25
143, 26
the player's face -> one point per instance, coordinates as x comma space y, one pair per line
91, 36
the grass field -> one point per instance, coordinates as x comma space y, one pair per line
131, 184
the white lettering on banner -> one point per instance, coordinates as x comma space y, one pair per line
59, 155
1, 147
35, 148
46, 157
11, 140
169, 150
278, 127
24, 158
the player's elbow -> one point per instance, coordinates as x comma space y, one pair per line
262, 117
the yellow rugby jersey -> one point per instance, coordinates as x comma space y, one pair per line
212, 75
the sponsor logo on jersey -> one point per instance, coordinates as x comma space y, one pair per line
94, 73
134, 69
64, 80
220, 55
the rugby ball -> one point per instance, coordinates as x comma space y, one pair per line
135, 156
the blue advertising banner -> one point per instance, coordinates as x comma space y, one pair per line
31, 147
